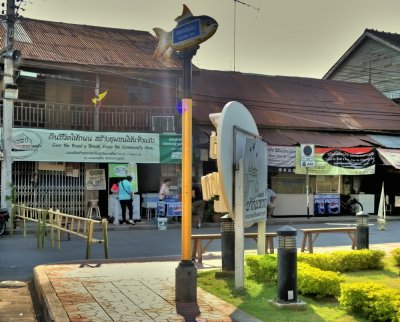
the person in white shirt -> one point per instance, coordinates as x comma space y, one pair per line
164, 190
271, 197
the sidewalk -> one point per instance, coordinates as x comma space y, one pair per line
140, 291
133, 290
124, 291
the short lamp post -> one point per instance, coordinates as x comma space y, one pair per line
287, 265
362, 230
227, 244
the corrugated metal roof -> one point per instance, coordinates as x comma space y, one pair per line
59, 42
293, 102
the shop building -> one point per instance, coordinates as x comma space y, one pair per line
61, 132
352, 127
64, 66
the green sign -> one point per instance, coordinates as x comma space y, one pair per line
170, 148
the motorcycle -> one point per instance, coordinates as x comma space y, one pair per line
4, 216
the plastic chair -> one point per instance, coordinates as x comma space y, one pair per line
93, 206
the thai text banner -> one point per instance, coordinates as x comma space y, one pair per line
80, 146
340, 161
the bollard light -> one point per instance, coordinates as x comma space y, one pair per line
227, 243
362, 219
362, 231
287, 265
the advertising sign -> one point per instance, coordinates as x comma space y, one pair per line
254, 181
326, 204
340, 161
95, 179
84, 146
123, 170
170, 148
281, 158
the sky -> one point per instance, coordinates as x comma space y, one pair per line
284, 37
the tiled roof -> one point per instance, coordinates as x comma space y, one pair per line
391, 38
296, 103
58, 42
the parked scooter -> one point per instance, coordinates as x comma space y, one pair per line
4, 216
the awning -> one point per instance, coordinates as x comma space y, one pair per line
326, 139
387, 141
390, 157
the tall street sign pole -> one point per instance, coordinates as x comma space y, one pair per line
184, 39
186, 272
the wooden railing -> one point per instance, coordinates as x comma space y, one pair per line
59, 222
81, 117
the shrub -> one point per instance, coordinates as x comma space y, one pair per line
375, 301
396, 255
317, 282
310, 280
345, 261
263, 268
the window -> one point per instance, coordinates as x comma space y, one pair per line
163, 124
327, 184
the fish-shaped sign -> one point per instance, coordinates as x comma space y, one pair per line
190, 31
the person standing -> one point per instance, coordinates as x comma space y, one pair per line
163, 193
125, 197
164, 190
271, 196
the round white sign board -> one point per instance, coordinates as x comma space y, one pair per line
233, 115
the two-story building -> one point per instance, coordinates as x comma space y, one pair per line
60, 133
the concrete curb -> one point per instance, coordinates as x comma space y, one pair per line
50, 305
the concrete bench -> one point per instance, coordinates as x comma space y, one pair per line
198, 249
311, 234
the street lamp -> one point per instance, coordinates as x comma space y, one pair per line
362, 230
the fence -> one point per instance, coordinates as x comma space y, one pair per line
60, 222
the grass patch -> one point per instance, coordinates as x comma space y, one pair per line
254, 298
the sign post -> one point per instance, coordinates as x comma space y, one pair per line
307, 160
185, 39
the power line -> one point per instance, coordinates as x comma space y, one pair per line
234, 27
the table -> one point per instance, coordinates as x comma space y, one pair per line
150, 203
169, 209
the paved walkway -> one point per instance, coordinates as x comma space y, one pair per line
134, 291
128, 291
124, 291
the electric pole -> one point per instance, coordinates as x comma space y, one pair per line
8, 107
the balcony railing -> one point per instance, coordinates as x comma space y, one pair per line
81, 117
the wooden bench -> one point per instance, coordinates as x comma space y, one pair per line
311, 234
198, 249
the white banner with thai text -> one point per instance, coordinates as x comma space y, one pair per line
81, 146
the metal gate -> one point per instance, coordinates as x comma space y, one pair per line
49, 189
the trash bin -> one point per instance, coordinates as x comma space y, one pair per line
162, 223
